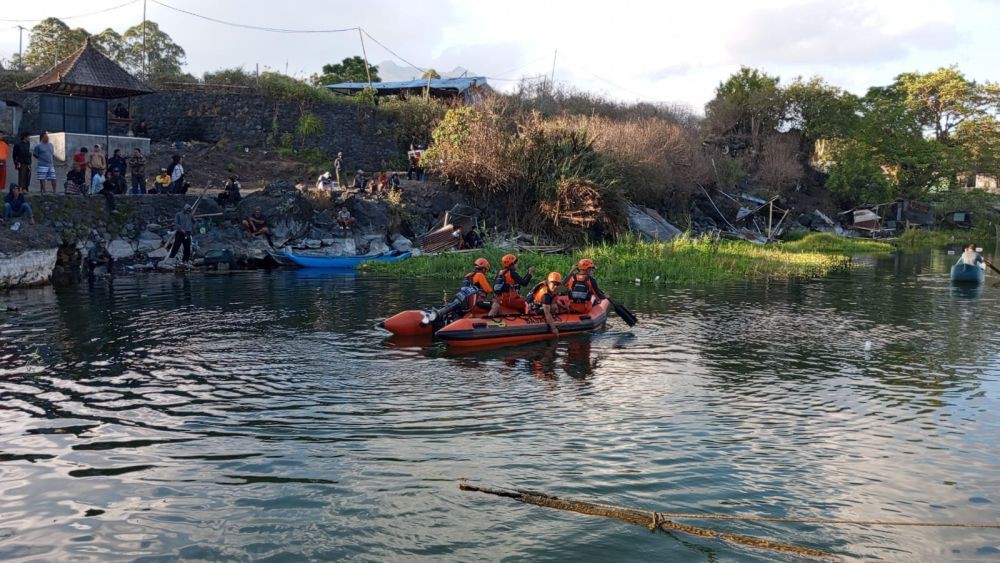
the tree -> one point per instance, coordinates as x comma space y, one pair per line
749, 104
944, 99
164, 57
110, 43
51, 41
821, 111
351, 69
430, 74
979, 141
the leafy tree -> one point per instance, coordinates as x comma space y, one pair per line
52, 40
979, 141
856, 177
944, 99
821, 111
749, 104
164, 57
110, 43
430, 74
351, 69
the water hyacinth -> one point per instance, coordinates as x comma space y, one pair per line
684, 260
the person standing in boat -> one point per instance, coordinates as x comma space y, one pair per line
970, 256
507, 286
583, 289
477, 279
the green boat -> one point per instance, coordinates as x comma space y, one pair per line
964, 273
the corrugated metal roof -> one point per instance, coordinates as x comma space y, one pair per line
457, 84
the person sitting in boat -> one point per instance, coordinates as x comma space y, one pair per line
256, 225
583, 289
477, 279
544, 298
507, 286
970, 256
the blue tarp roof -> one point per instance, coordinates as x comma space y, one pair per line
457, 84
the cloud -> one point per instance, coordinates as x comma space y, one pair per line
822, 32
671, 71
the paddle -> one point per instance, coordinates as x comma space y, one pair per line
992, 267
624, 313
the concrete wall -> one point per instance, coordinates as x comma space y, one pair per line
65, 146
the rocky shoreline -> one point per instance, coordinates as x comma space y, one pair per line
68, 226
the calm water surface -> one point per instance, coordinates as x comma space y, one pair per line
260, 416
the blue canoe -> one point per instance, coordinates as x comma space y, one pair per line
964, 273
342, 262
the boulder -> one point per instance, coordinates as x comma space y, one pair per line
120, 249
31, 267
649, 225
373, 244
401, 243
288, 212
148, 241
370, 216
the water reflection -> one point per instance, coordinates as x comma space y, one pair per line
261, 415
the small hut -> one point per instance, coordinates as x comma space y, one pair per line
73, 99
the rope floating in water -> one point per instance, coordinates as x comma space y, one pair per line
649, 519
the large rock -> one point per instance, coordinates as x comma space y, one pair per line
120, 249
288, 212
401, 243
31, 267
649, 225
370, 216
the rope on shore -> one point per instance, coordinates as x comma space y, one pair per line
652, 520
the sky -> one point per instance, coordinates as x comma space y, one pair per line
666, 51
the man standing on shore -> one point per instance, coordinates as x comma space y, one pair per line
44, 154
98, 162
338, 167
137, 164
183, 227
22, 162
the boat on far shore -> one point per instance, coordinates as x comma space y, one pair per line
341, 262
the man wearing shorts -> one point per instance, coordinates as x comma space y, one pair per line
44, 155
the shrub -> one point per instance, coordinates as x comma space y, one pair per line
283, 87
235, 76
415, 117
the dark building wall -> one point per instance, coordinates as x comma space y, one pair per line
252, 120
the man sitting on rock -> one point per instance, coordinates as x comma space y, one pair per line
15, 206
360, 182
345, 220
256, 225
76, 182
99, 256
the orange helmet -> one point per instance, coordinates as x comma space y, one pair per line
482, 263
508, 260
586, 264
554, 277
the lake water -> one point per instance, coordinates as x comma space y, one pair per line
261, 416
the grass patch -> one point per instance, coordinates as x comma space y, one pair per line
684, 260
922, 239
829, 243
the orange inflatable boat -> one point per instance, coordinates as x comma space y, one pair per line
516, 329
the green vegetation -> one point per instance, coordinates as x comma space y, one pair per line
351, 69
922, 239
684, 260
829, 243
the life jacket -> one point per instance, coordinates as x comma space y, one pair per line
504, 282
580, 288
538, 293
